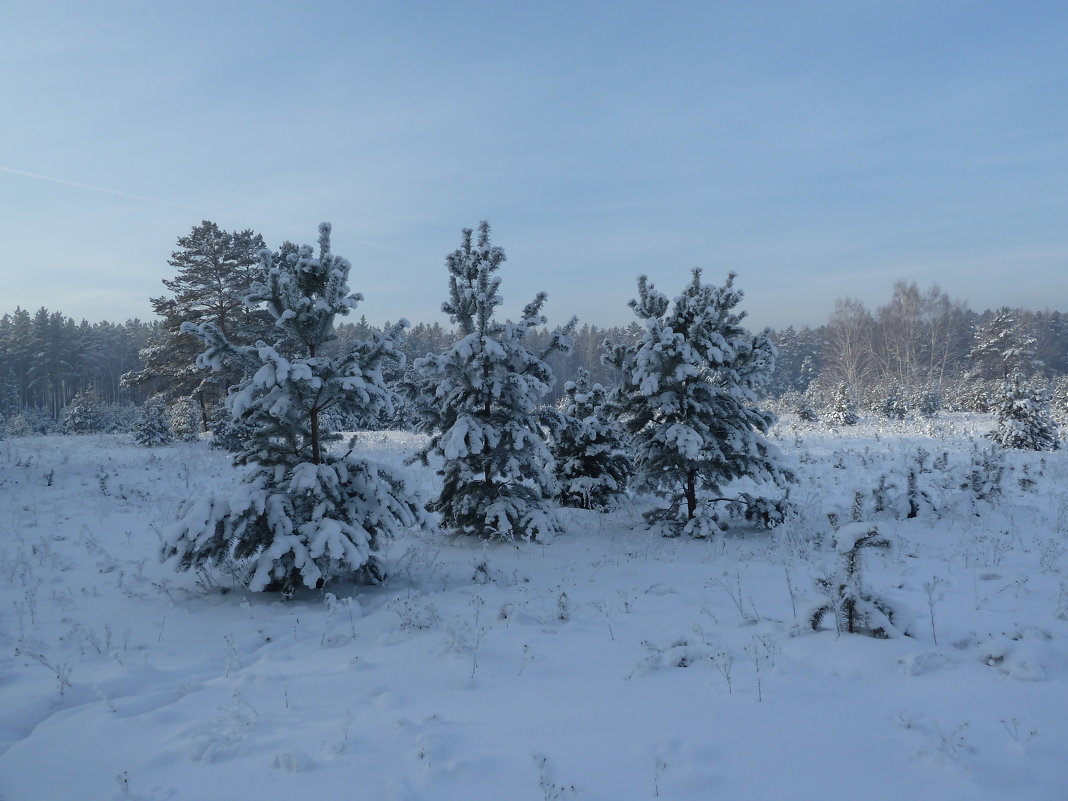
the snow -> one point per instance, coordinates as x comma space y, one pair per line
606, 664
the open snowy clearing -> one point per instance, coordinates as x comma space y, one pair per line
608, 664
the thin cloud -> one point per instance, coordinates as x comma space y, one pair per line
92, 188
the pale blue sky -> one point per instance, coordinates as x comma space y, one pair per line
819, 149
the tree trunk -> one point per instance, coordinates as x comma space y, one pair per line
313, 415
691, 495
203, 411
316, 454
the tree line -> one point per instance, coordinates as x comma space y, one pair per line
919, 341
47, 359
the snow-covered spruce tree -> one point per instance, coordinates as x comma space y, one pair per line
479, 399
303, 514
153, 426
688, 400
1023, 416
843, 409
592, 465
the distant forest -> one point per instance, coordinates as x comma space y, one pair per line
921, 342
46, 358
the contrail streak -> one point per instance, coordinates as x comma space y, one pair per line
90, 187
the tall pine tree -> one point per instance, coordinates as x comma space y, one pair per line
480, 401
304, 514
688, 399
215, 271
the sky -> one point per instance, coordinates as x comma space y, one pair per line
817, 149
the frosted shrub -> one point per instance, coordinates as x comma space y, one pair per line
303, 514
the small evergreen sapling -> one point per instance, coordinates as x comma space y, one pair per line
893, 406
987, 470
843, 409
19, 426
303, 514
806, 412
688, 399
479, 399
83, 415
592, 466
184, 420
930, 403
153, 428
854, 608
1023, 416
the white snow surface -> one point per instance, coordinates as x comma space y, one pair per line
609, 664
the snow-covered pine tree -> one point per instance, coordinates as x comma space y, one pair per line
843, 409
688, 399
806, 410
153, 425
303, 514
853, 606
183, 418
229, 434
215, 270
592, 465
1003, 346
893, 406
479, 399
1023, 416
1059, 398
930, 402
83, 415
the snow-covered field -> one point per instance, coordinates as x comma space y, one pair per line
608, 664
